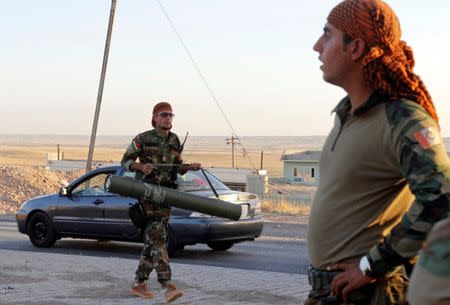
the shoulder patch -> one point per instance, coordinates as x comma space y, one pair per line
428, 137
136, 144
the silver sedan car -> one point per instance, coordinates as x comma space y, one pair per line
84, 209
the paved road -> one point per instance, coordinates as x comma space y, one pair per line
281, 248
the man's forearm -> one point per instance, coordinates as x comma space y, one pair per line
135, 166
407, 238
183, 168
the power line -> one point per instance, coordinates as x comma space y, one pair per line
208, 87
195, 65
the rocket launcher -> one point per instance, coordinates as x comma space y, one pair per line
163, 196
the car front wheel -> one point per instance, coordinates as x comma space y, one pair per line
220, 245
40, 231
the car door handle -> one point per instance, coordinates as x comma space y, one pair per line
97, 201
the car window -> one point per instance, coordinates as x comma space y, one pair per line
94, 186
192, 181
196, 181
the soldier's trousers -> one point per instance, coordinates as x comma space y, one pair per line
391, 291
154, 255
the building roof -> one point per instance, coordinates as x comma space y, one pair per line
231, 175
307, 155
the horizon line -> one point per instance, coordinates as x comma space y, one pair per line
132, 135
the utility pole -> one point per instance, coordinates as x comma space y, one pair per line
101, 85
262, 159
58, 151
232, 142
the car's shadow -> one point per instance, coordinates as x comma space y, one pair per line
96, 248
237, 257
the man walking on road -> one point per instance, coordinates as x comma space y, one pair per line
156, 146
385, 172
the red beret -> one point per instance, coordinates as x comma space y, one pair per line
158, 107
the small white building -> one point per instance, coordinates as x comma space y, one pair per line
244, 180
302, 167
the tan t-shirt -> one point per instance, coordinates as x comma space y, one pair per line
364, 184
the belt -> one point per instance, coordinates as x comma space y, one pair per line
320, 279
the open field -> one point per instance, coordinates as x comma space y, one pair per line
211, 151
37, 155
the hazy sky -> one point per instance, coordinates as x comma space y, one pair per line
256, 55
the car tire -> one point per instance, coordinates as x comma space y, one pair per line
40, 231
220, 245
171, 243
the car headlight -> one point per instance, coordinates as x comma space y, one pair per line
256, 204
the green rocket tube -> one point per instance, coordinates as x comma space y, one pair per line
160, 195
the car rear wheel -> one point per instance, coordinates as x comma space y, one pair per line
220, 245
40, 231
171, 243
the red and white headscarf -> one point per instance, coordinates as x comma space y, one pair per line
389, 62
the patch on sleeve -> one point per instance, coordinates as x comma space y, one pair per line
428, 137
136, 145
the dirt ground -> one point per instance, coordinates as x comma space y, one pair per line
19, 183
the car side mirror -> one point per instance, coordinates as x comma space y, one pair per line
64, 191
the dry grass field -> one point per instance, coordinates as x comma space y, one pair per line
284, 207
37, 155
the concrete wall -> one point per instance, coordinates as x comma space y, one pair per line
257, 184
304, 170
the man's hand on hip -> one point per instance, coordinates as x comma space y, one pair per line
350, 279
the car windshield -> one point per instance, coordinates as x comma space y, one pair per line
196, 181
193, 181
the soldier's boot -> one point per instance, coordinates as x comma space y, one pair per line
172, 293
141, 290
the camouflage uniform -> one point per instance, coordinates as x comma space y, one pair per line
153, 147
426, 166
385, 181
430, 281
